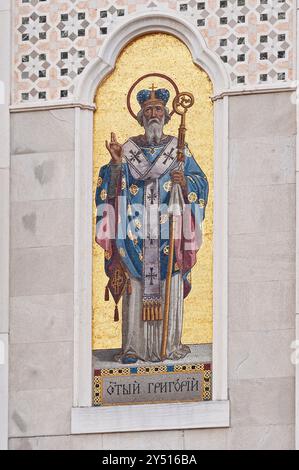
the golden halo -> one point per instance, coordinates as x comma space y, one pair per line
154, 74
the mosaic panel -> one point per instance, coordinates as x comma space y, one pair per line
173, 59
56, 39
138, 385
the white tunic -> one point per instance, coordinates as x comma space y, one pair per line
143, 339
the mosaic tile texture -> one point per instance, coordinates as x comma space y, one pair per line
56, 39
172, 58
141, 375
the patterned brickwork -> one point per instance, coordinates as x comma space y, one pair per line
56, 39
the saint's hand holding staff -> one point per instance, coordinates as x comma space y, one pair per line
145, 175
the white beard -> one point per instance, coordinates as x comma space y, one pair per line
153, 131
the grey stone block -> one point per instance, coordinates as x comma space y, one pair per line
262, 209
258, 257
5, 5
262, 402
42, 223
87, 442
4, 250
260, 354
41, 366
41, 318
43, 131
40, 443
261, 306
205, 439
277, 437
40, 412
42, 176
238, 305
262, 161
40, 271
165, 440
261, 115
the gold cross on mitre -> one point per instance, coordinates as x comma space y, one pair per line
153, 88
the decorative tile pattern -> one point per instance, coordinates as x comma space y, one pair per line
56, 39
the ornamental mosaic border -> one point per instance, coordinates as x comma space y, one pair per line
55, 39
205, 368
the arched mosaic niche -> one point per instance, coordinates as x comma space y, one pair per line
173, 58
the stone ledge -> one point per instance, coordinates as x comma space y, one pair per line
91, 420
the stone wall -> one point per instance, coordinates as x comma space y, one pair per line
41, 273
262, 133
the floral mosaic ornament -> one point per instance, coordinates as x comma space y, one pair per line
56, 39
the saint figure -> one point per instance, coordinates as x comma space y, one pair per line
137, 185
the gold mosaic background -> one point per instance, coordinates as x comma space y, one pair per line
165, 54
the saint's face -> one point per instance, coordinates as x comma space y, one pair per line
153, 113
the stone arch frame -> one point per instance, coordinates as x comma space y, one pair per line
85, 418
138, 25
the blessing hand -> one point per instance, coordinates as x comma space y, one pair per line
114, 148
